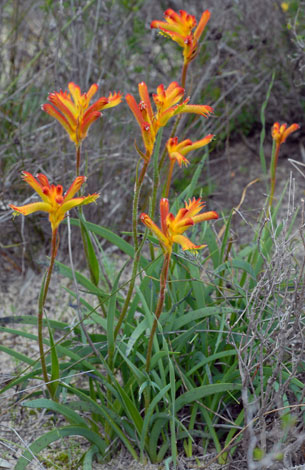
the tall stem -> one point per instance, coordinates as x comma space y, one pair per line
169, 177
42, 300
137, 247
183, 75
77, 160
135, 205
274, 160
84, 233
158, 311
163, 279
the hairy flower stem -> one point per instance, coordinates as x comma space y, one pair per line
183, 75
42, 300
83, 235
158, 311
135, 204
274, 160
77, 160
163, 279
137, 247
130, 290
169, 178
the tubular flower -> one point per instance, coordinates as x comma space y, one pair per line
73, 112
53, 200
179, 27
177, 151
168, 104
280, 132
172, 227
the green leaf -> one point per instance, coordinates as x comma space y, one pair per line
263, 131
90, 252
54, 365
135, 335
204, 391
17, 355
111, 237
190, 189
82, 280
111, 313
46, 439
32, 320
87, 463
201, 313
149, 413
104, 412
210, 240
237, 263
64, 410
130, 408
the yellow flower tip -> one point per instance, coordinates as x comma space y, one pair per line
280, 132
17, 210
285, 6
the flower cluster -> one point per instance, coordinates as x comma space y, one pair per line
179, 27
72, 109
172, 227
168, 103
73, 112
53, 201
177, 151
280, 132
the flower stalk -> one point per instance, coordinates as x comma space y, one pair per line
279, 132
158, 311
42, 300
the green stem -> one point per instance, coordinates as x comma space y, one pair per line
274, 160
42, 300
163, 279
83, 235
77, 160
130, 290
137, 247
135, 204
169, 177
158, 311
183, 75
156, 179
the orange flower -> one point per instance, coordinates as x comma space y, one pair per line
73, 112
172, 227
168, 104
53, 200
280, 132
177, 151
179, 26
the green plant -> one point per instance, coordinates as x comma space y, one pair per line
180, 351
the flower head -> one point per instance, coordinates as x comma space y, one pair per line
179, 27
177, 151
172, 227
73, 112
168, 104
53, 200
280, 132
